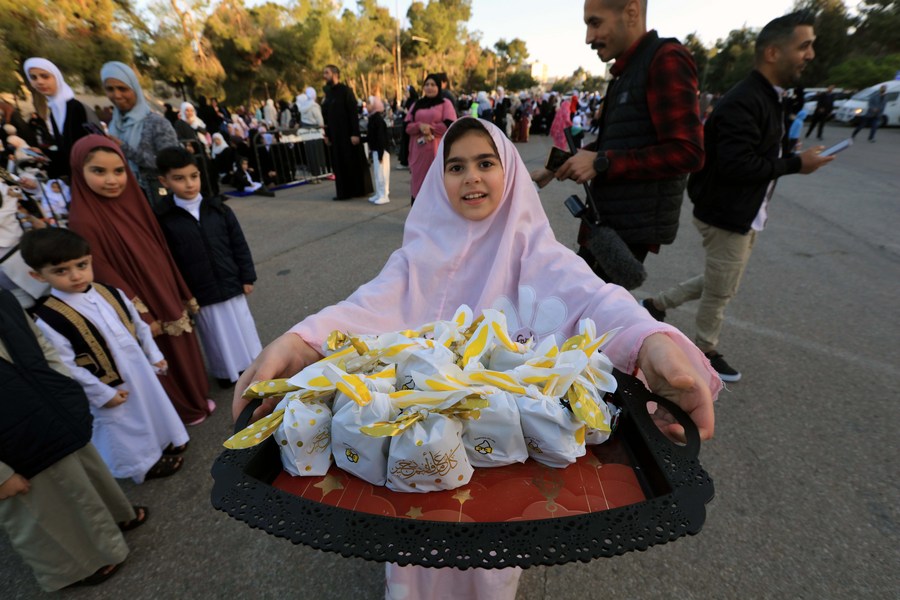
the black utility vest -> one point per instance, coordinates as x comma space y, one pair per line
44, 415
642, 212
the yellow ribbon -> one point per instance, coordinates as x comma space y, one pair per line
585, 408
269, 389
255, 433
467, 408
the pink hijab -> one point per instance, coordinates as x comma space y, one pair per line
510, 261
562, 120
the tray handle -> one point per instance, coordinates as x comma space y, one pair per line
636, 402
244, 418
691, 448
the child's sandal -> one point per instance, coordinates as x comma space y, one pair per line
171, 450
99, 576
165, 466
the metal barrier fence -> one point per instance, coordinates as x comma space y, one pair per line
290, 156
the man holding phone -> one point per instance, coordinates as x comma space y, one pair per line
743, 161
650, 132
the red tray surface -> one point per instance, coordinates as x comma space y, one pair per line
601, 480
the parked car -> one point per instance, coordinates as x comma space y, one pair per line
855, 108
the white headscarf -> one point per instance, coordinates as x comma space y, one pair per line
302, 101
310, 93
218, 144
64, 93
195, 122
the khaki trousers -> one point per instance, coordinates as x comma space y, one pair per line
727, 254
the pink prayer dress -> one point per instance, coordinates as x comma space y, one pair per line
421, 155
509, 261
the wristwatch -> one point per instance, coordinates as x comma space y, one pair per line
601, 164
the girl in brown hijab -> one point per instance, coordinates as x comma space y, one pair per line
130, 253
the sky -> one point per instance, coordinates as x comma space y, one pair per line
554, 30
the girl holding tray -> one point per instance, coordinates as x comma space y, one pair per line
479, 236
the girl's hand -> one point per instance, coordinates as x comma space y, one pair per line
284, 357
162, 367
13, 486
120, 398
670, 374
248, 289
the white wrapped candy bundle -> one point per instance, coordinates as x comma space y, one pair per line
534, 399
426, 451
304, 437
495, 438
553, 435
359, 454
301, 425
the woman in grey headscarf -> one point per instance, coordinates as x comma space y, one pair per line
140, 132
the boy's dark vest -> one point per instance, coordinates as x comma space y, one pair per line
44, 415
641, 212
91, 351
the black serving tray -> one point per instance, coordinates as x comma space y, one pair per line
674, 484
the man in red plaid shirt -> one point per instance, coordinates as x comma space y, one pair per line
651, 137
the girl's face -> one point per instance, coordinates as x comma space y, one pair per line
105, 174
431, 88
43, 81
473, 177
189, 113
55, 187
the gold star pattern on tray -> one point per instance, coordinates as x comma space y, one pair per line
328, 484
415, 512
462, 496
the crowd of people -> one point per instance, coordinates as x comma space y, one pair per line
124, 285
131, 197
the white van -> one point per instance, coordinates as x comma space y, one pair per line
855, 108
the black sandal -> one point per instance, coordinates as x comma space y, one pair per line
171, 450
99, 576
141, 514
164, 467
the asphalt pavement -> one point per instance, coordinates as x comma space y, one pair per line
806, 504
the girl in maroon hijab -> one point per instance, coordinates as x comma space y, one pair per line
130, 253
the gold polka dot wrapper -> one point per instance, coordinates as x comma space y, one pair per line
304, 437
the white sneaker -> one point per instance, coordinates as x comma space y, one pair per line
381, 201
373, 198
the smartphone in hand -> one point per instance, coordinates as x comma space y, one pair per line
839, 147
556, 158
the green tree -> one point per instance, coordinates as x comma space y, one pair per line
520, 80
76, 35
179, 53
878, 31
832, 41
733, 60
436, 40
860, 72
512, 56
701, 56
241, 45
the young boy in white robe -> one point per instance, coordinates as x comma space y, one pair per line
212, 254
110, 351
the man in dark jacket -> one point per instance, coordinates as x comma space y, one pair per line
650, 133
743, 160
824, 108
